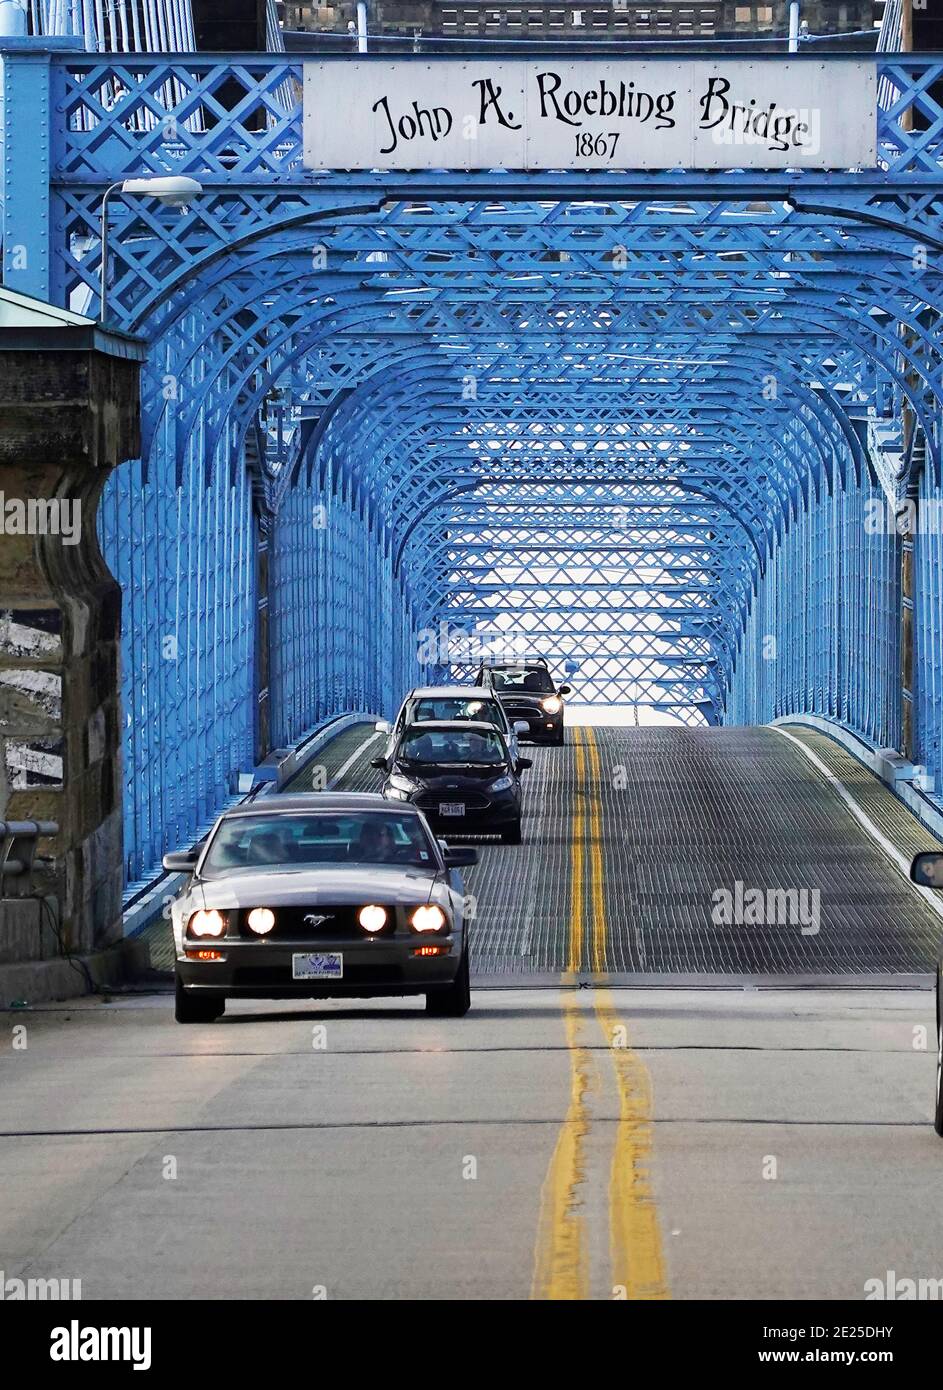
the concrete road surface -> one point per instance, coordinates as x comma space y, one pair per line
564, 1144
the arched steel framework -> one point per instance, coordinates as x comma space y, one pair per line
652, 426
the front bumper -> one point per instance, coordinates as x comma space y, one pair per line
502, 811
541, 727
263, 969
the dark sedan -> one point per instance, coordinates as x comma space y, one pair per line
319, 895
461, 775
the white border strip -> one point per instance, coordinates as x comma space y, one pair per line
311, 743
929, 895
361, 748
916, 802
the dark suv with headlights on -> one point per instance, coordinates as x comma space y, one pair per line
460, 774
529, 696
319, 895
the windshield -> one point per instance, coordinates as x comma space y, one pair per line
451, 746
364, 837
533, 679
482, 711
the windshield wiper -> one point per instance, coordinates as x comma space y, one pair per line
470, 764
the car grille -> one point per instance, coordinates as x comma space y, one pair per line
528, 712
472, 801
340, 924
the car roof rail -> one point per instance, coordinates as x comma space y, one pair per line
521, 661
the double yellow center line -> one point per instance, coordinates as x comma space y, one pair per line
562, 1253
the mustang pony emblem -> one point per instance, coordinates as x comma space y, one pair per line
313, 920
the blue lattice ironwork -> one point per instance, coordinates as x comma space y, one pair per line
643, 424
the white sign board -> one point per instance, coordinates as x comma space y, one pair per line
770, 113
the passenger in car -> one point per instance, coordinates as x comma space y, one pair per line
422, 749
377, 845
267, 847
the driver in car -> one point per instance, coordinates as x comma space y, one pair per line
268, 847
377, 845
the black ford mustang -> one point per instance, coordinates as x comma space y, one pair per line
461, 775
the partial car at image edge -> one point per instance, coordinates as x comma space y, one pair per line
927, 871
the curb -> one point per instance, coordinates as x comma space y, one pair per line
39, 982
886, 763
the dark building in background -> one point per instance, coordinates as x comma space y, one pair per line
928, 27
575, 21
229, 26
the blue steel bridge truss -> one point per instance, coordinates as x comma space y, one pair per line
652, 427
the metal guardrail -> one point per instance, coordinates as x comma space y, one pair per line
18, 853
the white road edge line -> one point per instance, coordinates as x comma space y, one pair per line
342, 771
930, 895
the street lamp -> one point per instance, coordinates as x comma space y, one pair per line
173, 191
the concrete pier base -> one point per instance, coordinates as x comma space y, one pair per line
69, 414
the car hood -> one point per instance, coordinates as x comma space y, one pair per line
438, 777
309, 884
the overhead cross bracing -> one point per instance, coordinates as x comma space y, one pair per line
636, 422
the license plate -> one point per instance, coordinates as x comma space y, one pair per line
318, 965
451, 808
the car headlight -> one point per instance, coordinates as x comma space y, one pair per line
553, 704
372, 917
206, 923
261, 920
429, 917
400, 783
503, 784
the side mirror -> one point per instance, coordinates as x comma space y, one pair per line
382, 726
523, 764
182, 861
565, 690
521, 726
378, 762
927, 869
460, 856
